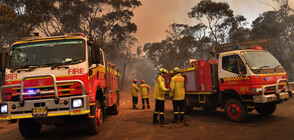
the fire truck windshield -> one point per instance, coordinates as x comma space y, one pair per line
46, 53
262, 60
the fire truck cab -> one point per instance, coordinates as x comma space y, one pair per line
239, 82
56, 80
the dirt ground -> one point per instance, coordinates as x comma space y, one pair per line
137, 124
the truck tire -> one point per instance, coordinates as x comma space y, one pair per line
209, 107
267, 109
29, 128
235, 110
94, 123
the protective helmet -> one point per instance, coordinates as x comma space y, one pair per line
135, 81
162, 70
176, 70
142, 81
166, 71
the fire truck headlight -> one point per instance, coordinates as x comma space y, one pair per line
77, 103
4, 109
256, 90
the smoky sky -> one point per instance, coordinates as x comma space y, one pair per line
154, 16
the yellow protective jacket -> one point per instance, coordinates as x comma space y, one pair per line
159, 88
134, 90
144, 88
177, 86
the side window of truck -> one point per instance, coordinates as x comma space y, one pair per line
90, 54
101, 57
230, 63
95, 54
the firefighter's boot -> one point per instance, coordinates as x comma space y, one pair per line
176, 117
148, 106
182, 118
134, 107
155, 118
143, 107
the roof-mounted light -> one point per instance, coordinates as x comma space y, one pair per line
257, 48
75, 34
235, 47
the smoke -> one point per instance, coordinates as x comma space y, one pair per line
154, 16
139, 68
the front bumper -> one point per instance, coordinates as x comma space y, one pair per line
272, 97
61, 109
278, 96
42, 108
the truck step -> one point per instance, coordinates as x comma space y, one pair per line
250, 106
247, 100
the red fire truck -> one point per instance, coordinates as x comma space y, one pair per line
56, 80
238, 82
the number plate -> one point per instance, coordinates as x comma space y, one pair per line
39, 112
284, 96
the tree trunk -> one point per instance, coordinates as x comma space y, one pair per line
123, 77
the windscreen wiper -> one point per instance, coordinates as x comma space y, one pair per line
58, 66
27, 69
277, 67
263, 66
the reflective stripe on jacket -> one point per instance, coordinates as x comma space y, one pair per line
134, 90
177, 87
159, 88
144, 90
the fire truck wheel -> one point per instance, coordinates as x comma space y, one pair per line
95, 121
267, 109
29, 128
209, 107
235, 110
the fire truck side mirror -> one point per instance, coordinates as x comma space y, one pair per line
3, 57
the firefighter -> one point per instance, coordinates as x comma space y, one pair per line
144, 88
177, 94
134, 92
159, 92
230, 65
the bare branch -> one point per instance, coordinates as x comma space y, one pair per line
267, 5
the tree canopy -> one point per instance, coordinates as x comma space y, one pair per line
218, 18
217, 24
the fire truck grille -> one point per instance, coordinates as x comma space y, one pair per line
63, 90
274, 88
